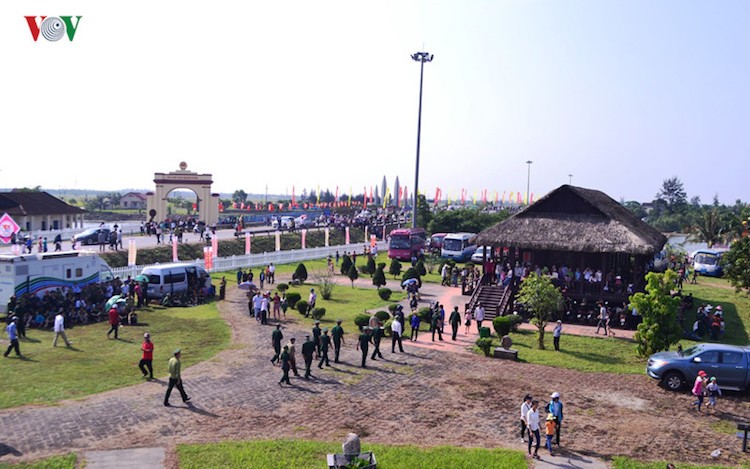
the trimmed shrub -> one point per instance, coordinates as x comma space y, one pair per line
361, 320
353, 274
392, 307
302, 306
385, 293
301, 273
346, 264
370, 266
502, 325
420, 268
381, 265
282, 287
425, 314
292, 298
395, 268
379, 278
383, 316
515, 321
485, 345
387, 329
318, 313
411, 272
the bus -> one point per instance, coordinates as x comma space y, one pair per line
708, 262
459, 246
407, 243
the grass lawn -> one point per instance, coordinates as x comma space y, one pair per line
68, 461
299, 453
95, 363
627, 463
716, 291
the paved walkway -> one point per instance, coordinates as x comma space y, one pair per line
137, 458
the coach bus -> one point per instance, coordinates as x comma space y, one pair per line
407, 243
459, 246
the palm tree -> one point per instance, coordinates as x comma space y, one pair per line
708, 227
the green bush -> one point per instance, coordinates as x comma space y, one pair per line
370, 266
292, 298
485, 345
302, 306
346, 264
395, 268
282, 287
385, 293
353, 274
381, 265
502, 325
379, 278
420, 268
515, 321
301, 273
392, 307
318, 313
425, 314
387, 329
411, 272
361, 320
383, 316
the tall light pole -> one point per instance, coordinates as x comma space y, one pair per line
528, 182
570, 179
420, 57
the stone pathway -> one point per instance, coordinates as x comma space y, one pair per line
138, 458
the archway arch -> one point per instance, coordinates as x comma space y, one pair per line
200, 184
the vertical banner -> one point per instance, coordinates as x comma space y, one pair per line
208, 260
304, 238
247, 243
174, 249
366, 236
132, 253
328, 234
214, 247
278, 240
373, 241
347, 236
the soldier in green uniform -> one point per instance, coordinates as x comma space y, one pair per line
285, 366
364, 344
316, 338
455, 320
276, 337
337, 334
377, 335
325, 342
308, 350
436, 324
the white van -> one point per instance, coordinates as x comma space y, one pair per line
174, 278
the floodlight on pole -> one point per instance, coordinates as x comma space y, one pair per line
570, 179
528, 181
420, 57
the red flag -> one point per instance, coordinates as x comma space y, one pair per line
221, 207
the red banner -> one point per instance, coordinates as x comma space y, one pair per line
208, 259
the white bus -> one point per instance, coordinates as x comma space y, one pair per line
39, 273
459, 246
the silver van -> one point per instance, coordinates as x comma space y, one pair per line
174, 278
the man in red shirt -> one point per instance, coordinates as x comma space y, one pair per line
147, 358
114, 321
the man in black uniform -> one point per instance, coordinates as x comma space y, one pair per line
436, 325
337, 334
308, 350
276, 337
364, 344
316, 338
325, 342
455, 320
377, 334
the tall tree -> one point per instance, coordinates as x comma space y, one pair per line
737, 262
673, 192
424, 215
708, 226
659, 329
239, 196
542, 298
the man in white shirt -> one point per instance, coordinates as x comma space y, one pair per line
60, 329
311, 302
603, 318
271, 273
396, 330
532, 420
264, 309
479, 315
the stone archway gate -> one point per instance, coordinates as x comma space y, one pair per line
208, 203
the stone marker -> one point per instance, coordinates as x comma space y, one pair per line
351, 444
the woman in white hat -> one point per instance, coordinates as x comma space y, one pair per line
555, 408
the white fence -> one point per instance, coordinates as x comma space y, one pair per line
222, 264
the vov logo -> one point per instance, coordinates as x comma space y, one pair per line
53, 28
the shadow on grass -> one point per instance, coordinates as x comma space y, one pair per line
594, 357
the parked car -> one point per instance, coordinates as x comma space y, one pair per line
286, 222
90, 236
728, 363
436, 242
479, 255
303, 221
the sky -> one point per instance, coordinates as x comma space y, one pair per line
619, 94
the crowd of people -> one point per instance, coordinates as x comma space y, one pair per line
531, 423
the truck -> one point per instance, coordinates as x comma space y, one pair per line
39, 273
728, 363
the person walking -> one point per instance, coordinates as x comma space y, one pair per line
222, 288
525, 408
60, 329
455, 320
12, 331
146, 366
397, 330
532, 420
415, 322
363, 344
264, 309
114, 321
325, 342
555, 408
699, 388
285, 366
556, 332
549, 432
377, 336
603, 318
308, 350
467, 322
435, 324
175, 378
479, 315
337, 334
311, 302
276, 337
316, 338
292, 358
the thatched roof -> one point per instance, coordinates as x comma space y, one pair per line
575, 219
